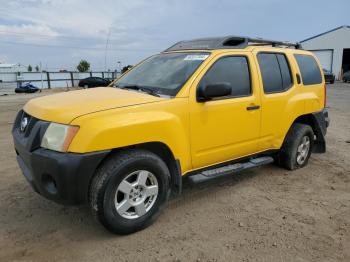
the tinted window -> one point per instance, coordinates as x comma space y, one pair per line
275, 72
270, 72
285, 71
310, 72
233, 70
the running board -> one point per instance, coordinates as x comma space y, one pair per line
210, 174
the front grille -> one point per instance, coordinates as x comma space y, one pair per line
30, 136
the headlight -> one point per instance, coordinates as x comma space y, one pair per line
58, 137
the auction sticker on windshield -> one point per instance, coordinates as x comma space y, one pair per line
196, 57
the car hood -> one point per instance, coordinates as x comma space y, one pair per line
66, 106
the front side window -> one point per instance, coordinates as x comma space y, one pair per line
310, 72
275, 72
164, 73
233, 70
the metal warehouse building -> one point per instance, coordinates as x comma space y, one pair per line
332, 49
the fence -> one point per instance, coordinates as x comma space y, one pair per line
9, 81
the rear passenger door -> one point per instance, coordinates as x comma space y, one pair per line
277, 98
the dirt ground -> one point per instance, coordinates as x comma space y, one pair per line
266, 214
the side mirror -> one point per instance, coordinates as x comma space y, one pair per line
207, 92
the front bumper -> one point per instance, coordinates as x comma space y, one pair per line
61, 177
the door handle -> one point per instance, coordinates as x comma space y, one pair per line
253, 107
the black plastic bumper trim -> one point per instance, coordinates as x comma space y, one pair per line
70, 172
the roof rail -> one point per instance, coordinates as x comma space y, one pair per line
227, 42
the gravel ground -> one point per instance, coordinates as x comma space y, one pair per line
266, 214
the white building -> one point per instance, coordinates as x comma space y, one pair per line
12, 68
332, 49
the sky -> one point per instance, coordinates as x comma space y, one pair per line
59, 33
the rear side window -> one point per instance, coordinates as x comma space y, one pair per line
233, 70
275, 72
310, 72
285, 71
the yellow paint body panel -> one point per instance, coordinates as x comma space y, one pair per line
63, 107
198, 134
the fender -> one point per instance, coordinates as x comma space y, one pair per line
117, 128
319, 121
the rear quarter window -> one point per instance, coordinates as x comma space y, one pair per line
310, 72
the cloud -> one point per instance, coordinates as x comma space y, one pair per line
28, 29
3, 59
60, 32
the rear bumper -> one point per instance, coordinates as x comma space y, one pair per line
61, 177
322, 119
326, 117
321, 123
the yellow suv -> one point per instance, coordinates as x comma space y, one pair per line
203, 108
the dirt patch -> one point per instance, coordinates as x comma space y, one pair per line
266, 214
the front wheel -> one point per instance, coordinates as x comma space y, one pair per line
297, 147
129, 191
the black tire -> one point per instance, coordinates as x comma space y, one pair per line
108, 177
287, 156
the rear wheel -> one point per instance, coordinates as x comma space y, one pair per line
129, 191
297, 147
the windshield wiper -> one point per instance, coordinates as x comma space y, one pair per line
147, 90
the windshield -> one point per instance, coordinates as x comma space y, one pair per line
164, 73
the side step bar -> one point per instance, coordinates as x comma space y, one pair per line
210, 174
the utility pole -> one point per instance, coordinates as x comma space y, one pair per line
107, 41
41, 76
118, 69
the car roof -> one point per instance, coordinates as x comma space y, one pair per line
227, 42
251, 48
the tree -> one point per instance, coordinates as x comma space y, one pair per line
83, 66
37, 68
30, 69
126, 68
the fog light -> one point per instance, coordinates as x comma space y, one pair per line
49, 184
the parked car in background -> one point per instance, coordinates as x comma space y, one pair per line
329, 77
26, 88
93, 82
126, 68
346, 77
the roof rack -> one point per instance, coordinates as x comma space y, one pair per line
227, 42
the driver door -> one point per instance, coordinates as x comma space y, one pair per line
226, 128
